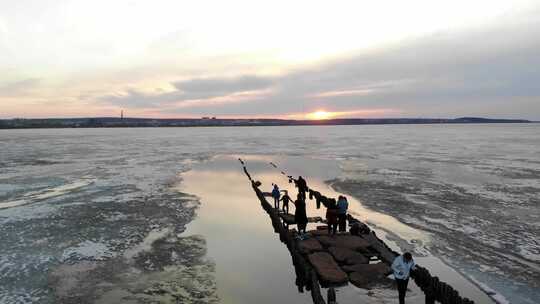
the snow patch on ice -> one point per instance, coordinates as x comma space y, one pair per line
88, 250
492, 293
35, 196
146, 244
452, 226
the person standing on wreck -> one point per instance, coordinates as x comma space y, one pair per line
402, 267
300, 216
275, 195
342, 205
302, 185
286, 199
332, 216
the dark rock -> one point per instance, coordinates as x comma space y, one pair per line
379, 269
315, 219
352, 242
368, 280
288, 218
347, 256
309, 246
359, 228
385, 253
319, 232
369, 275
327, 269
358, 279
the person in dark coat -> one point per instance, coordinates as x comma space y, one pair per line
285, 199
332, 216
300, 215
302, 185
318, 200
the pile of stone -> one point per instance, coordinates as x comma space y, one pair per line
342, 258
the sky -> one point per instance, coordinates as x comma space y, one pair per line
270, 59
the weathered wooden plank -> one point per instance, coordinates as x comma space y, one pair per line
327, 268
352, 242
309, 246
347, 256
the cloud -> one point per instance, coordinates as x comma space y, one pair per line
18, 88
489, 72
194, 92
222, 86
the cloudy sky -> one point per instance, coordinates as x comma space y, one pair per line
237, 58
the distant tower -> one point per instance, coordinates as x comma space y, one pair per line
121, 114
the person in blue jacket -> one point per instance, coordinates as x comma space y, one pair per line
402, 267
276, 195
342, 205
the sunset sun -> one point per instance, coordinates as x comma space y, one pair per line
321, 114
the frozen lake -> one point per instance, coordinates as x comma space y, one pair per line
128, 215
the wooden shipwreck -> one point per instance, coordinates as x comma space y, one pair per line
358, 257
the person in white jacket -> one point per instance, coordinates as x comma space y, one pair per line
402, 267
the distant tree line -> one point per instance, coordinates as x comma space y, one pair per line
113, 122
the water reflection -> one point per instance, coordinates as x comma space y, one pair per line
251, 267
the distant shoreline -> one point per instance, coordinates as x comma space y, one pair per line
110, 122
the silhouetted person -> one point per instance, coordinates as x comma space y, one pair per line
302, 194
332, 216
285, 199
302, 185
342, 206
318, 200
324, 201
300, 216
275, 195
402, 267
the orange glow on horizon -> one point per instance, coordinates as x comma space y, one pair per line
358, 113
28, 110
320, 115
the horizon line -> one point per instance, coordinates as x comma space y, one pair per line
260, 118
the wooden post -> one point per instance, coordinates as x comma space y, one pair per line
430, 298
331, 296
316, 289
